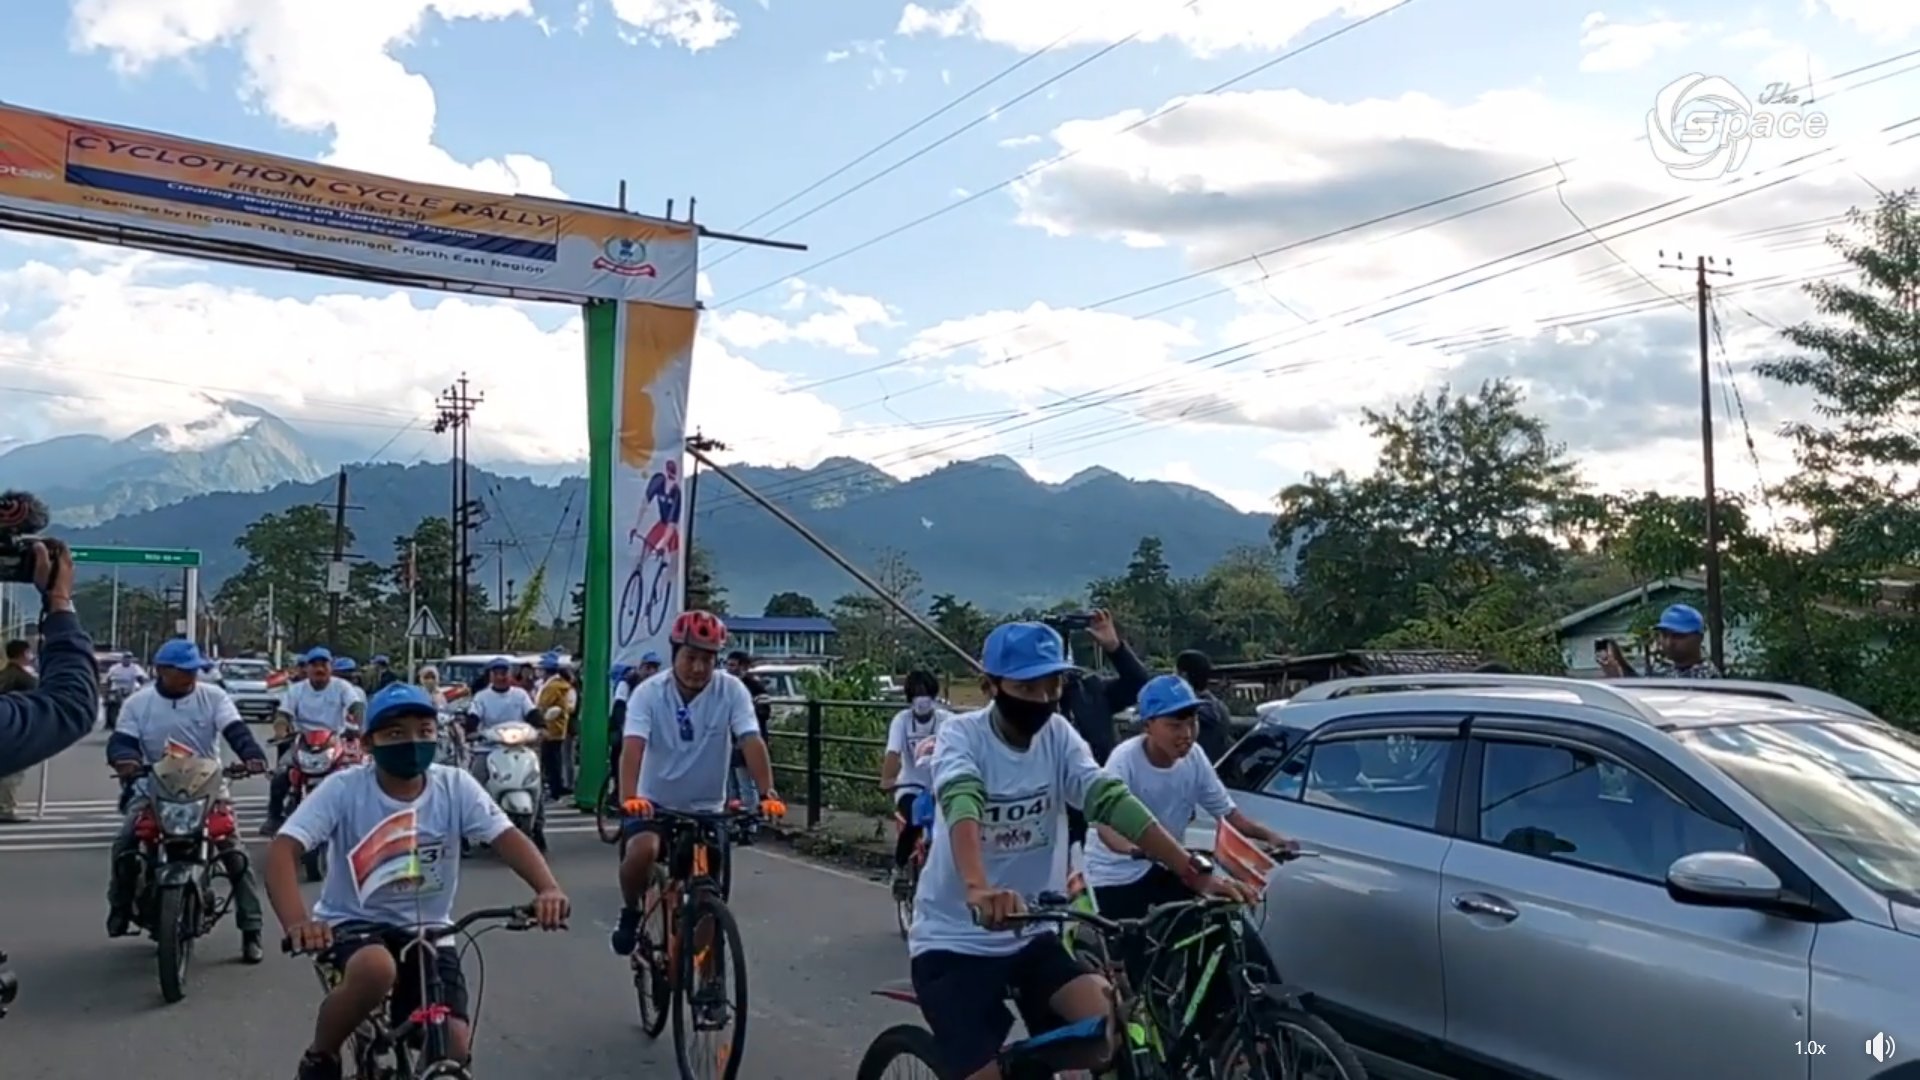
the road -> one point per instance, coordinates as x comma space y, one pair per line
556, 1006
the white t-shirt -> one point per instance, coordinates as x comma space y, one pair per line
125, 676
911, 737
1172, 793
685, 767
193, 722
1023, 826
621, 691
391, 862
495, 707
324, 709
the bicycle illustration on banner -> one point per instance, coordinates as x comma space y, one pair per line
647, 598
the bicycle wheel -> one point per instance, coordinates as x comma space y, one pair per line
606, 812
630, 600
901, 1051
711, 957
651, 984
659, 597
1280, 1042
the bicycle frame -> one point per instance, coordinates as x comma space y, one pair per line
709, 837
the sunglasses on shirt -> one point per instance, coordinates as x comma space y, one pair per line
685, 718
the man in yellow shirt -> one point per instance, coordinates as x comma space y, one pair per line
555, 701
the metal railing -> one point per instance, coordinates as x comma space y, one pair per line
836, 748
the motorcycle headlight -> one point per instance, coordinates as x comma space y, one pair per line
182, 818
312, 763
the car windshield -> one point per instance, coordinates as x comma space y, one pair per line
1851, 788
458, 672
244, 670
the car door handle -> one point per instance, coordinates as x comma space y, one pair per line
1483, 904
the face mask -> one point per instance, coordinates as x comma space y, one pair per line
1023, 716
923, 706
405, 760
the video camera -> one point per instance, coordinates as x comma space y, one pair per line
23, 518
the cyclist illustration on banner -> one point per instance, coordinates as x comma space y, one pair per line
648, 595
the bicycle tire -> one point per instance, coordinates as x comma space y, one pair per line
446, 1070
629, 613
910, 1042
659, 596
652, 986
1273, 1021
705, 904
607, 819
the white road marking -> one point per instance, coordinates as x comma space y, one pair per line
91, 824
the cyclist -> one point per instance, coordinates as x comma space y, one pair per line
319, 702
663, 490
179, 714
909, 755
392, 834
680, 731
1003, 777
1173, 778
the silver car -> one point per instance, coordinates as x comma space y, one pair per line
1532, 877
246, 682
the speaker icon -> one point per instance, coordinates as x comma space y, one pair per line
1880, 1047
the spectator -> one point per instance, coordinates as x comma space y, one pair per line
740, 666
383, 673
1216, 727
1090, 701
1679, 638
17, 675
58, 710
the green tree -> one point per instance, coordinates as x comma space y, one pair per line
792, 605
1501, 621
704, 591
871, 629
963, 624
286, 552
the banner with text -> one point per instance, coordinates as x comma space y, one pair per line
649, 432
57, 170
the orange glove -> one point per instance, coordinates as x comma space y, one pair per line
772, 807
638, 808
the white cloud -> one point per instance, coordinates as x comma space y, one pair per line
1609, 46
1205, 29
322, 67
691, 24
1887, 19
881, 71
837, 325
1019, 141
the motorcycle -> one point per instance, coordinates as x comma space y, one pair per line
453, 746
180, 831
114, 698
513, 777
317, 755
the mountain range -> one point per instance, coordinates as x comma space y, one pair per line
983, 530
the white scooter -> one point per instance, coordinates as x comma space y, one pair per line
513, 777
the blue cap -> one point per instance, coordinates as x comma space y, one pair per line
382, 659
344, 665
1165, 695
550, 662
1681, 619
651, 657
396, 702
499, 663
1024, 650
318, 652
619, 672
183, 654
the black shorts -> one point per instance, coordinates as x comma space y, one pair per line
680, 866
964, 998
406, 987
1132, 900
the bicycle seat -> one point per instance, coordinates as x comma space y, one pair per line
1062, 1048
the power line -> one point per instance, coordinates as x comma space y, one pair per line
1161, 113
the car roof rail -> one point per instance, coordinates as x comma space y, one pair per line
1598, 695
1788, 692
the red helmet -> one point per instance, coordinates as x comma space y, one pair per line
700, 629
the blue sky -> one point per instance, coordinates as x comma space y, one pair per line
744, 107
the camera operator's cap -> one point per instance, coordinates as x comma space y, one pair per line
499, 663
183, 654
1681, 619
1024, 650
319, 654
1165, 695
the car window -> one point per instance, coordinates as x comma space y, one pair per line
1394, 777
1567, 804
1252, 763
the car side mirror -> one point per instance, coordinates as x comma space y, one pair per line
1723, 879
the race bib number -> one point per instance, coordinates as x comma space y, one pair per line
1018, 824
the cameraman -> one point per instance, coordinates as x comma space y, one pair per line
37, 724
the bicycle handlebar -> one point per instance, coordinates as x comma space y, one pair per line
515, 918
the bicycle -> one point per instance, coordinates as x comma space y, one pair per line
417, 1048
908, 880
639, 600
689, 905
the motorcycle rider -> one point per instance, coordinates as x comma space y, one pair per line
391, 832
348, 672
178, 712
320, 702
123, 678
678, 744
500, 703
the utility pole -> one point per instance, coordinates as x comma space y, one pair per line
413, 606
1704, 265
455, 418
503, 590
335, 589
698, 446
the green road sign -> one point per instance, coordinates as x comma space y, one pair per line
124, 556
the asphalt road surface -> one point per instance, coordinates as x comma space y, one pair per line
555, 1006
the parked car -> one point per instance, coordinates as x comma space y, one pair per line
248, 683
1524, 876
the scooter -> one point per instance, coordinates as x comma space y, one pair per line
317, 755
513, 777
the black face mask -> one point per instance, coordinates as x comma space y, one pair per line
1023, 716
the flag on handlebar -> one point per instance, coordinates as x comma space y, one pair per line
1240, 857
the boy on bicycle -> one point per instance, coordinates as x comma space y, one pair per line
1003, 779
677, 751
906, 770
1173, 778
393, 862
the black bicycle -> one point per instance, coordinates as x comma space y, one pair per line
419, 1047
639, 601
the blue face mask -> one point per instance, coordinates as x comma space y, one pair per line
405, 760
